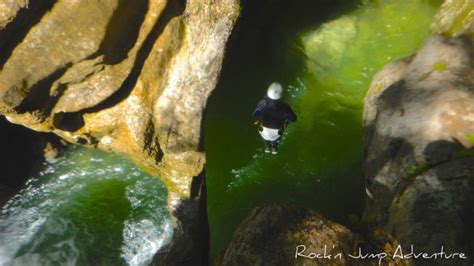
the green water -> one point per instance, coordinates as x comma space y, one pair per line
85, 208
326, 69
93, 208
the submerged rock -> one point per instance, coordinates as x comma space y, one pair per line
131, 77
287, 235
418, 136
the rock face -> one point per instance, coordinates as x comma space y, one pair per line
419, 128
455, 18
418, 136
130, 77
273, 234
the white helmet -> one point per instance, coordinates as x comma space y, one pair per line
274, 91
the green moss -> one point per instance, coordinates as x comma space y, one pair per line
466, 152
470, 138
378, 87
416, 170
439, 66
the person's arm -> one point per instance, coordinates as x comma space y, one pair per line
257, 113
258, 109
290, 115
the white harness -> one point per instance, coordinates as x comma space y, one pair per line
269, 134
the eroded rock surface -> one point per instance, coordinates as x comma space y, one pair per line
419, 123
130, 77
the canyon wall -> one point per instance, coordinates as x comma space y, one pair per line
131, 77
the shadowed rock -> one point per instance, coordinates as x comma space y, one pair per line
418, 141
419, 123
287, 235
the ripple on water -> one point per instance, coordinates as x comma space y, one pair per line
87, 207
319, 164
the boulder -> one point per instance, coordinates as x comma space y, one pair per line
288, 235
418, 141
131, 77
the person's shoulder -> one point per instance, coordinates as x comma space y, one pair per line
287, 107
284, 104
262, 103
265, 100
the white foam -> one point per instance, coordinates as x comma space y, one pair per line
143, 239
4, 258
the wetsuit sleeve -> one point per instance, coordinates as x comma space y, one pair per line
290, 115
258, 109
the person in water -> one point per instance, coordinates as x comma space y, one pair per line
274, 117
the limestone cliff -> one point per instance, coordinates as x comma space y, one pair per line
130, 77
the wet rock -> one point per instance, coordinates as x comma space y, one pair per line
131, 77
418, 128
273, 234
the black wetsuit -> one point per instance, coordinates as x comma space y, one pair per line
275, 115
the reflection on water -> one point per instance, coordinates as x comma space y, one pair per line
85, 208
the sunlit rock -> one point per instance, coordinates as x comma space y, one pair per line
456, 17
9, 9
131, 77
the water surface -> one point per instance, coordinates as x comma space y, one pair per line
325, 54
85, 208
